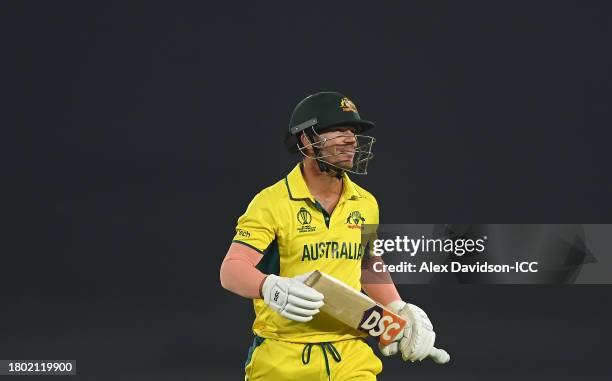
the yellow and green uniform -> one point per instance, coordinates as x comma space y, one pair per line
296, 235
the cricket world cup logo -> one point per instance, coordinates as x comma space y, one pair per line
304, 217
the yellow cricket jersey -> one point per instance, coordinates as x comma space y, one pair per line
296, 235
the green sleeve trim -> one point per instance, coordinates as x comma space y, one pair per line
270, 263
251, 246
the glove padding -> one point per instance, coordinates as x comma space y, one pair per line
291, 298
417, 340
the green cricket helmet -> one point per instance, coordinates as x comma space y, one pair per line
320, 112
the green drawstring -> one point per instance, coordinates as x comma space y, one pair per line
330, 347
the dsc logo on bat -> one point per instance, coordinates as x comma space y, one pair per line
379, 322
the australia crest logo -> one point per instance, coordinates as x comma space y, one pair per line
347, 105
355, 220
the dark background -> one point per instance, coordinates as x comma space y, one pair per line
133, 134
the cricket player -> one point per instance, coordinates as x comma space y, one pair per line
311, 220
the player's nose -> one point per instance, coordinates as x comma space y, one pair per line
351, 142
349, 138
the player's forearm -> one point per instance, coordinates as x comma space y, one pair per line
242, 278
378, 285
383, 293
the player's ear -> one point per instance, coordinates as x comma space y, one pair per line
304, 139
305, 142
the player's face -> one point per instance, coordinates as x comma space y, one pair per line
338, 147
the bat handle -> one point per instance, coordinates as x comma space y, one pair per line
439, 356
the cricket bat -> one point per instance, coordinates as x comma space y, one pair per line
358, 311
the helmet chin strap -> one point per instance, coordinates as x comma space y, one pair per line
324, 167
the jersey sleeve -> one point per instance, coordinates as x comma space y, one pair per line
256, 227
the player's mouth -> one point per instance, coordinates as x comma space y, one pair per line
346, 157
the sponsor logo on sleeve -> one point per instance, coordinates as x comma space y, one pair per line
243, 233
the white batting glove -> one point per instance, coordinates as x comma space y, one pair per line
389, 350
417, 340
291, 298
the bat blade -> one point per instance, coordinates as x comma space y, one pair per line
355, 309
359, 311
